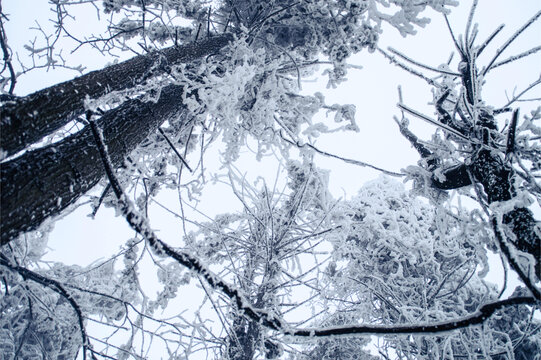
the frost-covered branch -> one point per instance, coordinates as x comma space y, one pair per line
300, 145
408, 59
478, 317
59, 289
507, 250
517, 57
139, 224
509, 41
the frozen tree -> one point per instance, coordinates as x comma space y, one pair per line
384, 262
400, 260
498, 167
258, 73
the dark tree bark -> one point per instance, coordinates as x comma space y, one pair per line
28, 119
41, 183
488, 169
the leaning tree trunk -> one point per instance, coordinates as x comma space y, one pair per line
41, 183
28, 119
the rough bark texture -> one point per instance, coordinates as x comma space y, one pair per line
496, 177
41, 183
28, 119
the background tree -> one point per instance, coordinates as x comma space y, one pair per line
400, 260
234, 74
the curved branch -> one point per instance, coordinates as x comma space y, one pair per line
140, 225
506, 250
56, 287
478, 317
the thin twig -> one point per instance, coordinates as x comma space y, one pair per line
441, 71
453, 35
431, 121
300, 145
528, 88
509, 41
393, 60
175, 149
517, 57
468, 24
489, 39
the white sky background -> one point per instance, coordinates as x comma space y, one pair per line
77, 239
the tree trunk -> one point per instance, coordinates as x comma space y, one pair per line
41, 183
496, 177
27, 120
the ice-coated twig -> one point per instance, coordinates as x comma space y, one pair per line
293, 141
393, 60
452, 34
468, 24
528, 88
489, 39
431, 121
509, 41
399, 54
517, 57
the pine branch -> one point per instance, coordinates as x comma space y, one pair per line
441, 71
528, 88
433, 122
509, 41
393, 60
469, 22
489, 39
517, 57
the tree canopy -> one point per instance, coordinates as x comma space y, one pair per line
295, 272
